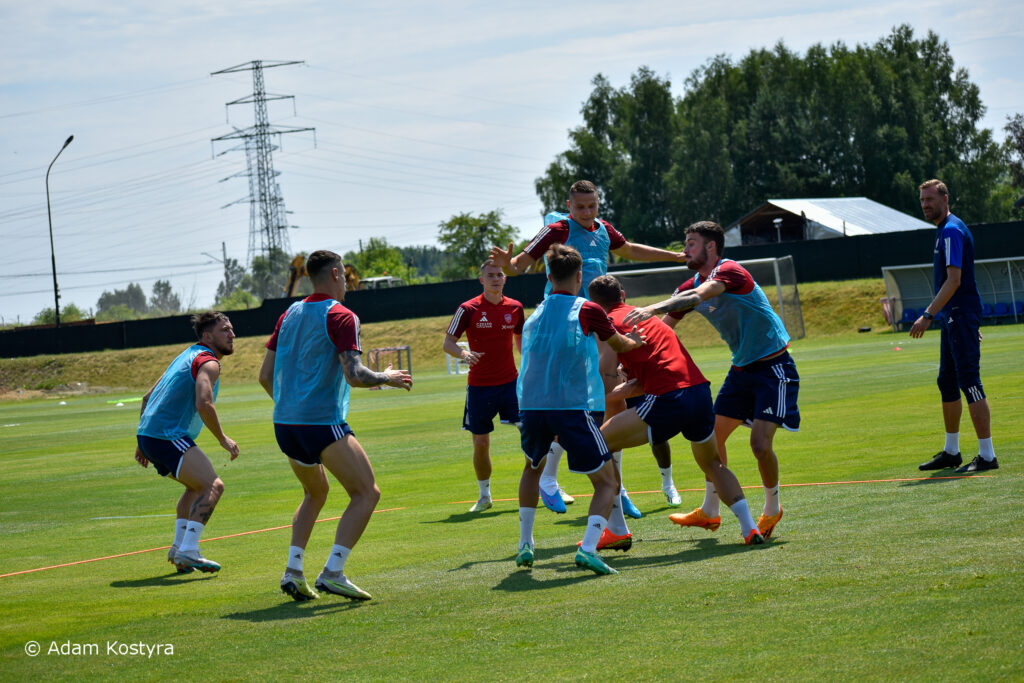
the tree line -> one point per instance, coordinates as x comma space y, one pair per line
873, 121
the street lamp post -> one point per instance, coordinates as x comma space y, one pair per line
49, 218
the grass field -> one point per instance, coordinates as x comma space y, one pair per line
895, 578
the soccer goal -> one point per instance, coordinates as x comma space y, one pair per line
380, 358
776, 276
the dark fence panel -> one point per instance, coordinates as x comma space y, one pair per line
843, 258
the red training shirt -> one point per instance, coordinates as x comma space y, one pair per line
662, 364
489, 329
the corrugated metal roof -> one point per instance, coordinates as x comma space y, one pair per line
862, 216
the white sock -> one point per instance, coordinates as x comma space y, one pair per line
742, 512
617, 457
952, 443
986, 450
526, 516
191, 539
179, 531
549, 478
485, 488
617, 520
710, 506
295, 557
771, 500
336, 560
595, 527
666, 477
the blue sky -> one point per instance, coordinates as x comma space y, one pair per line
421, 110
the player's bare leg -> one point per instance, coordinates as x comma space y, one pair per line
197, 474
347, 461
728, 487
762, 434
482, 468
529, 495
606, 486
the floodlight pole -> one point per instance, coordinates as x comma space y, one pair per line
49, 218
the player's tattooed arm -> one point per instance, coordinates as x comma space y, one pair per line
358, 375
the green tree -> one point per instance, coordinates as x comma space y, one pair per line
267, 275
873, 120
468, 239
1015, 160
131, 297
233, 274
68, 314
623, 148
238, 300
378, 258
164, 300
116, 312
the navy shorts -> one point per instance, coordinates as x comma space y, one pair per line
960, 357
305, 443
688, 410
634, 401
765, 390
578, 432
165, 455
483, 403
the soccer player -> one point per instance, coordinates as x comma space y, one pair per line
560, 391
312, 359
957, 306
762, 385
593, 238
173, 413
491, 322
677, 398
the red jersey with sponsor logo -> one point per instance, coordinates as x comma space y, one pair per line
662, 364
489, 329
342, 326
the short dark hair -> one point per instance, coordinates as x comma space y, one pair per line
320, 262
202, 322
937, 184
582, 187
605, 291
563, 262
489, 262
709, 230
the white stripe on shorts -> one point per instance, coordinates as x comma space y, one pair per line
644, 408
780, 409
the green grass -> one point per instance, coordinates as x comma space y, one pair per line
891, 580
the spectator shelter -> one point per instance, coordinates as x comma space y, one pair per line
788, 220
909, 290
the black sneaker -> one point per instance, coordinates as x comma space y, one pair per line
941, 461
979, 464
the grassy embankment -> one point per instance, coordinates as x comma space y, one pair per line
829, 308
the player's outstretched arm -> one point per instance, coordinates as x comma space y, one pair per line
205, 379
358, 375
509, 265
642, 252
683, 301
267, 372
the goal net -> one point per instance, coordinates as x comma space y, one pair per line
776, 276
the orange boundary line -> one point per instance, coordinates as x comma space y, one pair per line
165, 547
817, 483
